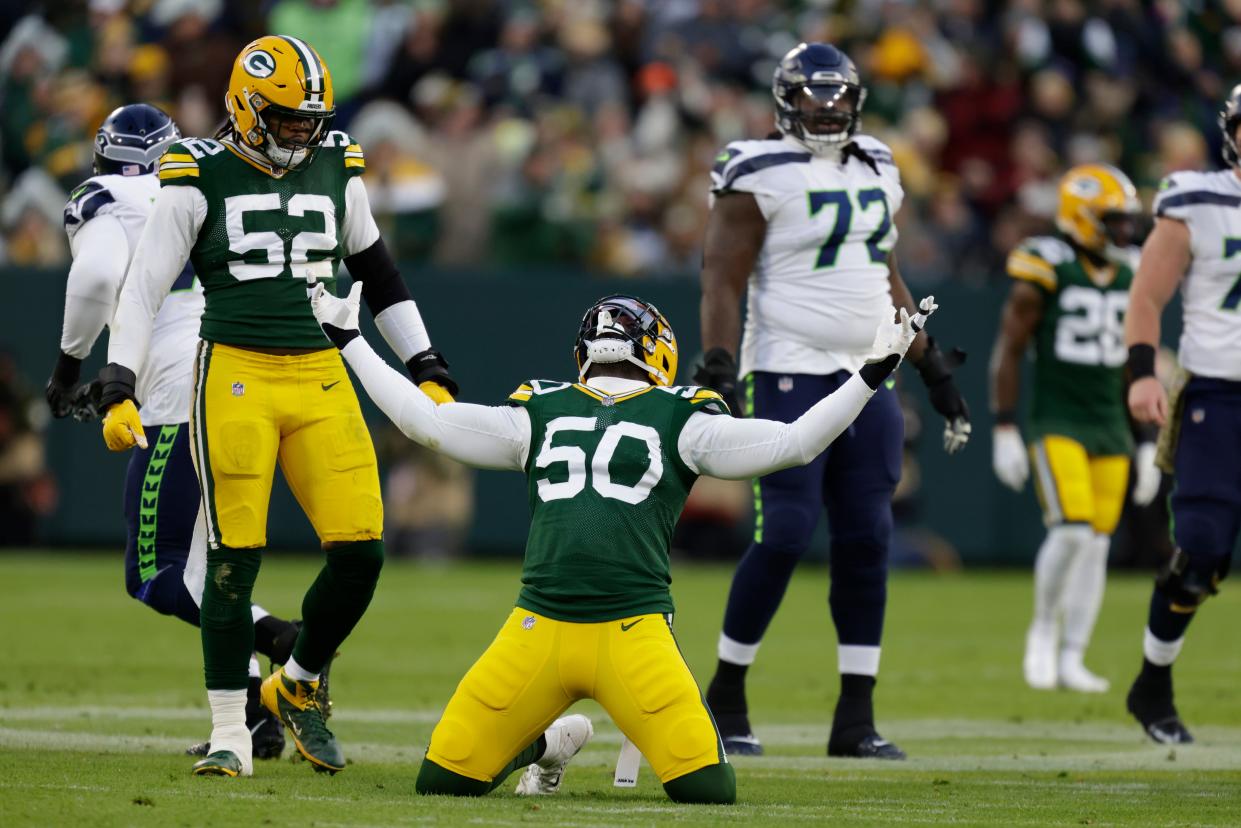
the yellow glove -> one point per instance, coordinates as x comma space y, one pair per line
437, 393
122, 428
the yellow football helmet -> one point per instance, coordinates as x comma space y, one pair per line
1091, 197
620, 328
279, 100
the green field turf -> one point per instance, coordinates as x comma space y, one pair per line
98, 695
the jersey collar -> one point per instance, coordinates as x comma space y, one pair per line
614, 388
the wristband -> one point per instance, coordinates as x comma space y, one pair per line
1141, 361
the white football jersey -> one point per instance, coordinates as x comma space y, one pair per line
1210, 206
166, 382
820, 286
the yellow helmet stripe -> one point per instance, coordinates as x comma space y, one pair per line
311, 67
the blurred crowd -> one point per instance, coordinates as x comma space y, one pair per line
578, 134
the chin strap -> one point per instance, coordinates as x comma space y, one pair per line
608, 350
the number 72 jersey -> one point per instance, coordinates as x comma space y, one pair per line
1079, 346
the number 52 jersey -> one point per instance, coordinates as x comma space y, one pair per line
1079, 346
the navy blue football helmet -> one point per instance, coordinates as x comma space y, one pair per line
819, 96
132, 139
1229, 117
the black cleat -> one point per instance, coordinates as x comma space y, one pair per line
267, 736
726, 699
742, 744
859, 743
1150, 702
198, 749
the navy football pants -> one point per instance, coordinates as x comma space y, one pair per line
853, 480
162, 500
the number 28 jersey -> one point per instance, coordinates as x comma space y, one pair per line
606, 487
820, 285
265, 240
1079, 346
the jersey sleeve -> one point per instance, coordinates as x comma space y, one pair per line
708, 401
1029, 263
90, 199
354, 159
522, 395
179, 167
756, 167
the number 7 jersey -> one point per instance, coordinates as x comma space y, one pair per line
1079, 346
265, 240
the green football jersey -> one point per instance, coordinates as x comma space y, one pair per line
1079, 347
265, 240
606, 486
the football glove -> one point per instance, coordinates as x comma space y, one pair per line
337, 317
719, 373
1008, 457
61, 385
87, 401
936, 372
122, 428
892, 340
1146, 487
429, 370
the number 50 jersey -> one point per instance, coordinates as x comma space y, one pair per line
820, 285
1079, 347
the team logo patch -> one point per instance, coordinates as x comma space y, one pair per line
1197, 415
527, 623
239, 389
259, 64
608, 401
785, 384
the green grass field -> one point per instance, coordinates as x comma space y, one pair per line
98, 696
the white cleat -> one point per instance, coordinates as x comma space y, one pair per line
1039, 664
1075, 676
565, 738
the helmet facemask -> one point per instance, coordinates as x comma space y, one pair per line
623, 329
288, 138
822, 116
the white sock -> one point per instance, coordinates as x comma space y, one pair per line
228, 726
254, 668
858, 660
1083, 592
1051, 567
258, 613
297, 672
1159, 652
734, 652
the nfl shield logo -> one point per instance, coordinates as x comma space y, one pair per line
785, 384
527, 623
238, 389
1197, 415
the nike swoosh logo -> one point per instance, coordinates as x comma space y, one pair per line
327, 386
627, 627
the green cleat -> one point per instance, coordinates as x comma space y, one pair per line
220, 763
299, 706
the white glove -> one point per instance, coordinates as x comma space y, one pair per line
1008, 457
338, 317
896, 337
1146, 487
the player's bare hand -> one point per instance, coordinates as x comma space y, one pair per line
1148, 402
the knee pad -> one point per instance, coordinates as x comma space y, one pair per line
787, 528
1186, 585
358, 562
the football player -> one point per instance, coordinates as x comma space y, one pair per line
104, 219
265, 211
805, 219
1195, 244
1068, 301
610, 459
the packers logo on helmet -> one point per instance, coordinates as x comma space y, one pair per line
622, 328
1097, 209
280, 102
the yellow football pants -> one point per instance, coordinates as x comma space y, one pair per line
251, 409
537, 667
1074, 487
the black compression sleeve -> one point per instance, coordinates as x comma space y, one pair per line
382, 286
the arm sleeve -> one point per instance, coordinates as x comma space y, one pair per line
484, 436
100, 254
734, 449
396, 314
162, 251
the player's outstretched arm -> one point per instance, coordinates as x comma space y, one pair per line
1165, 258
396, 314
1020, 318
487, 437
739, 448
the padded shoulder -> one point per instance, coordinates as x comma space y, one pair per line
1181, 191
349, 151
742, 160
876, 149
84, 204
1036, 258
530, 389
184, 161
698, 398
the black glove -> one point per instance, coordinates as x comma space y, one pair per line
117, 384
430, 366
936, 371
60, 387
88, 402
719, 373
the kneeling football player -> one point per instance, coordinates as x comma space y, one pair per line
610, 460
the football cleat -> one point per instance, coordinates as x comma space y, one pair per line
1151, 704
742, 744
220, 763
1073, 675
1039, 664
565, 738
267, 736
298, 706
869, 746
